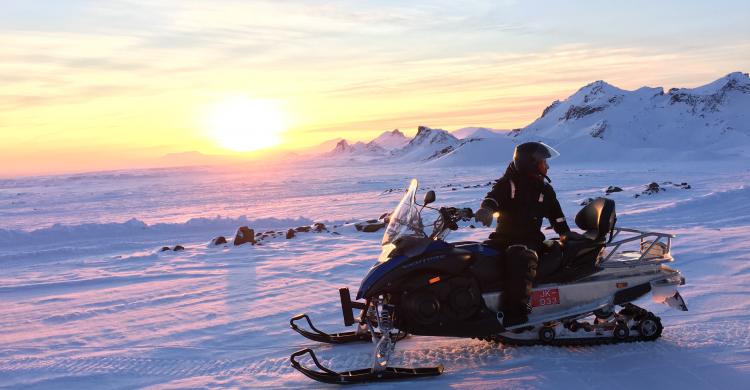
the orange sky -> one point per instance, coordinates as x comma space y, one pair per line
118, 84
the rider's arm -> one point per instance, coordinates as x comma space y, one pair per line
498, 197
555, 214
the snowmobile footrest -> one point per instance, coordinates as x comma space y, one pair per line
323, 337
359, 376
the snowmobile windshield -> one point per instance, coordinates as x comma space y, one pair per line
406, 221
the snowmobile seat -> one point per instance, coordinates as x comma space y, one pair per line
580, 252
551, 260
597, 219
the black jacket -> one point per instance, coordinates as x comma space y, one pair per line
523, 202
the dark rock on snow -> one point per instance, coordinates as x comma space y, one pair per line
178, 248
165, 248
319, 227
290, 234
219, 240
612, 189
370, 226
652, 188
244, 235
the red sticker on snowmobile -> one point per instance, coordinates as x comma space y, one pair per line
545, 297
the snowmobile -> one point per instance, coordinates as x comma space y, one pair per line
423, 285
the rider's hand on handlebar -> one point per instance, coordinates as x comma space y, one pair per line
484, 216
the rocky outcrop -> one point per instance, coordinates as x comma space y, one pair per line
577, 112
711, 102
548, 109
597, 130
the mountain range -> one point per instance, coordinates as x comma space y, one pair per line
599, 121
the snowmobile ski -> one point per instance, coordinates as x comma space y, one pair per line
327, 375
330, 338
334, 338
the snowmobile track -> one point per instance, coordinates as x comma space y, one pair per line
568, 342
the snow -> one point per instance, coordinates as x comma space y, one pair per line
90, 301
473, 152
94, 304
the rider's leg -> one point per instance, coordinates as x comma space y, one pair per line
520, 270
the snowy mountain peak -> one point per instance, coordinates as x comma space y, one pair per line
426, 135
345, 148
426, 144
393, 139
342, 146
592, 98
600, 114
711, 97
596, 92
478, 132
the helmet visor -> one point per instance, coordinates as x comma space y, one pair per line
545, 152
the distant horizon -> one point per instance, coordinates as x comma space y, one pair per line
224, 157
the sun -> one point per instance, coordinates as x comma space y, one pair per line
244, 125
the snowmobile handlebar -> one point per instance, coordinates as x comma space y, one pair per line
449, 217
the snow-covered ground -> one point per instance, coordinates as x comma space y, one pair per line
88, 301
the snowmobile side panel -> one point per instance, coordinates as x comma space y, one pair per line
438, 245
477, 247
450, 262
485, 324
631, 294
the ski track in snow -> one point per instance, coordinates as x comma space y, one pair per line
111, 311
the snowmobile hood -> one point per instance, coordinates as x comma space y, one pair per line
382, 268
377, 272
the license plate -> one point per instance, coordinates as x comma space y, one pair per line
545, 297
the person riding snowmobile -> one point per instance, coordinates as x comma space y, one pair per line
521, 199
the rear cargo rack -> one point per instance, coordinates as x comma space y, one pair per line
648, 241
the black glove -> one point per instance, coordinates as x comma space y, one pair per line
484, 216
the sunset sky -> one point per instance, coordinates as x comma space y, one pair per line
89, 85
